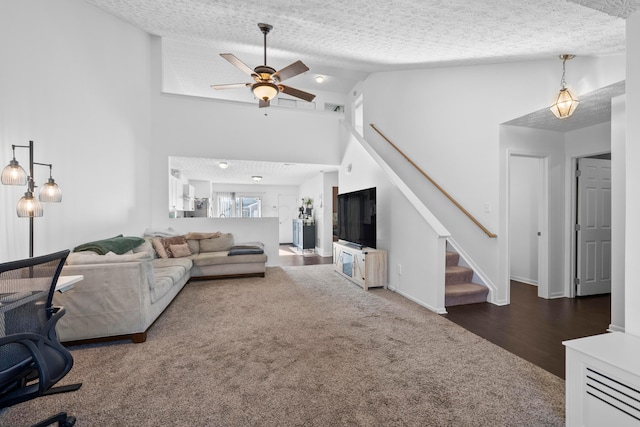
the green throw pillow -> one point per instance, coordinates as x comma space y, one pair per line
118, 245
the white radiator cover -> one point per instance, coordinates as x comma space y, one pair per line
603, 380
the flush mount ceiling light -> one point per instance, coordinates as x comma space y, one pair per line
223, 165
256, 178
566, 102
319, 79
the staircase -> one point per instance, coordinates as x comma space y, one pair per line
459, 288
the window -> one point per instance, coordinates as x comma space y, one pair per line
233, 205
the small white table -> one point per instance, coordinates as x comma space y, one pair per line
66, 283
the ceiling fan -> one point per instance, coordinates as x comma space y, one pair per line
267, 80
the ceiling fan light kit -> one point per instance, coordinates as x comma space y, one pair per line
566, 102
267, 80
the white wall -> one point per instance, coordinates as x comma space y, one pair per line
76, 81
198, 127
632, 253
455, 138
525, 175
618, 208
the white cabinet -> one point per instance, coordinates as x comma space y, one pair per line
176, 201
188, 196
366, 267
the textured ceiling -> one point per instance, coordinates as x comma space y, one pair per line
345, 40
241, 171
594, 108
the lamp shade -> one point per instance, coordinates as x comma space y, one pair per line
13, 174
566, 103
265, 91
29, 206
50, 192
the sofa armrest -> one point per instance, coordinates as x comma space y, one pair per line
112, 299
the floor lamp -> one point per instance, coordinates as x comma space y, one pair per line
29, 206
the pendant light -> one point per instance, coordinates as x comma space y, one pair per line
566, 102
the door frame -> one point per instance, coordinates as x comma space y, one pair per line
543, 219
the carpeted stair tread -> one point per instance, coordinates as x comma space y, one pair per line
459, 287
452, 258
464, 293
457, 274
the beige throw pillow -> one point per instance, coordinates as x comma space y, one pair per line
159, 247
179, 251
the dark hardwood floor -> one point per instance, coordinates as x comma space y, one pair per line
290, 256
534, 328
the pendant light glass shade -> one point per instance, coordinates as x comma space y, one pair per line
566, 103
13, 174
50, 192
265, 91
29, 206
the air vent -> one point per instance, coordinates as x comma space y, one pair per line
623, 397
293, 103
334, 107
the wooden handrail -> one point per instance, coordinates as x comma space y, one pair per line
447, 195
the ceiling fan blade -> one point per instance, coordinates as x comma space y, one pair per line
262, 103
290, 71
237, 63
297, 93
231, 86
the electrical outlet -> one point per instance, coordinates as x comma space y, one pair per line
399, 269
486, 207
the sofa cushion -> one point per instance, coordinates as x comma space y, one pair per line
179, 251
216, 258
184, 263
90, 257
222, 243
119, 245
145, 247
194, 245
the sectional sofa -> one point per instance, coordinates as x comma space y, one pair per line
122, 294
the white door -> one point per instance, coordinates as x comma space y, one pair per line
287, 208
594, 227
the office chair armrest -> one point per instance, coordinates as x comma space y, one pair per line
49, 329
33, 343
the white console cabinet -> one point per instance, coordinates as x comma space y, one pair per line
366, 267
603, 380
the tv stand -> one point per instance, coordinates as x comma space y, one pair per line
366, 267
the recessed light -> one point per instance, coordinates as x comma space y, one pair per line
256, 178
319, 79
223, 165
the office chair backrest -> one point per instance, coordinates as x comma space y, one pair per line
26, 292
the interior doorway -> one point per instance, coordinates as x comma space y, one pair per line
529, 221
286, 212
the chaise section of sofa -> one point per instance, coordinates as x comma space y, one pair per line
216, 255
120, 296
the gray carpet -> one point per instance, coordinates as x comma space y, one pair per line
302, 346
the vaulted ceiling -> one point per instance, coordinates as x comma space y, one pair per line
345, 40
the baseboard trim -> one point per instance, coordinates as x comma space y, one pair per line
417, 301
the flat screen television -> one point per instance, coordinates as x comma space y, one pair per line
357, 217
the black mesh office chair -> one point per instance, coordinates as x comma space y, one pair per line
32, 359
